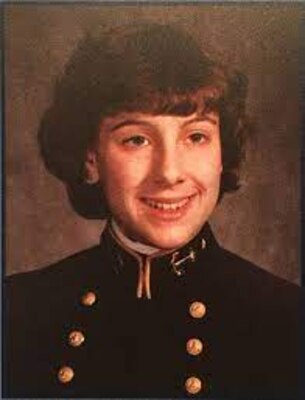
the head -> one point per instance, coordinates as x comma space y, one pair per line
128, 97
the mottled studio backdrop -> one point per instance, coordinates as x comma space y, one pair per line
260, 222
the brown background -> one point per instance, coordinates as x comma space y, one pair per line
260, 222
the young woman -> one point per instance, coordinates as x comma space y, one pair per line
147, 131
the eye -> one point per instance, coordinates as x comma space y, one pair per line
136, 141
197, 138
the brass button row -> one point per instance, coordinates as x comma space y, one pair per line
194, 347
75, 339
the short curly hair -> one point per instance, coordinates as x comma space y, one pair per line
148, 68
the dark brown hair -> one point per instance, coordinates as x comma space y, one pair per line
146, 68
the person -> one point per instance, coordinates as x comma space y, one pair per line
147, 131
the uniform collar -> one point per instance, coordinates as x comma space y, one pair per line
178, 262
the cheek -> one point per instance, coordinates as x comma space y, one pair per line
209, 176
207, 166
121, 171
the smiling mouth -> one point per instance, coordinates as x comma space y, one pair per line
168, 205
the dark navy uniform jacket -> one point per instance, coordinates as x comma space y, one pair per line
77, 328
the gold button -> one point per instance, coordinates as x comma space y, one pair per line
76, 338
88, 299
65, 374
194, 346
197, 309
193, 385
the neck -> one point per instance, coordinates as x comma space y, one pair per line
136, 246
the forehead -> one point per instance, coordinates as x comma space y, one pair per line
136, 118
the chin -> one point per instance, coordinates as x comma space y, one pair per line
170, 241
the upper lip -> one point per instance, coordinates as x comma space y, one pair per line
168, 200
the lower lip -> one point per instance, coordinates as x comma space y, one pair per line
170, 214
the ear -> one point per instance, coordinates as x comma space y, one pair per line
92, 175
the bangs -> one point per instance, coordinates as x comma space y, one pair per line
172, 102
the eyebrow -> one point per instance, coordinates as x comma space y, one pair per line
202, 118
127, 122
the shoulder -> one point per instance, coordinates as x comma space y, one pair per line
49, 288
67, 268
246, 287
251, 276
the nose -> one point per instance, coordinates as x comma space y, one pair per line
168, 168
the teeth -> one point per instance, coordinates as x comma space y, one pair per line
167, 206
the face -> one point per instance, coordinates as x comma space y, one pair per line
160, 174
